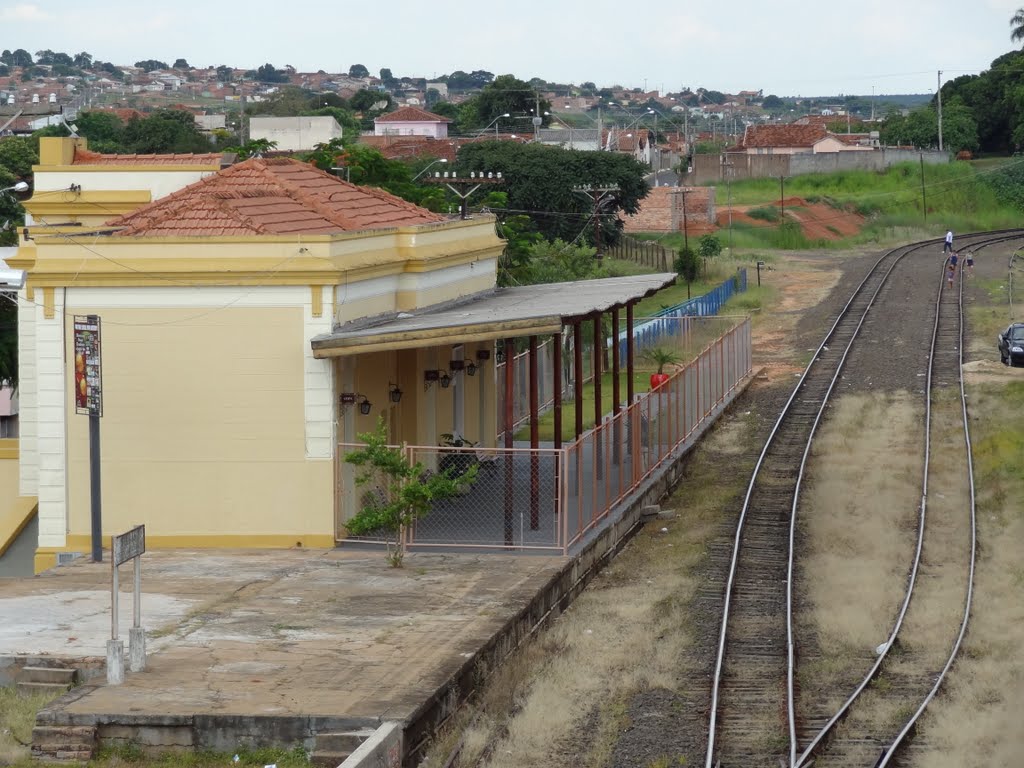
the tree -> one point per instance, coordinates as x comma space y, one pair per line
8, 330
358, 71
688, 267
539, 181
83, 60
165, 130
771, 101
268, 74
709, 246
252, 148
225, 73
364, 101
507, 94
1017, 26
17, 156
398, 491
386, 77
150, 65
20, 58
180, 64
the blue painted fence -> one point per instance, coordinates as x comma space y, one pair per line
651, 331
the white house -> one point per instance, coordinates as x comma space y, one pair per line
411, 121
295, 134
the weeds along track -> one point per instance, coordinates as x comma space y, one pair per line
752, 719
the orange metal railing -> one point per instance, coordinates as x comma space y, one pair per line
548, 499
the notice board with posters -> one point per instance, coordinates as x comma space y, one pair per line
88, 368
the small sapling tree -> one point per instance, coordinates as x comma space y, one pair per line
398, 491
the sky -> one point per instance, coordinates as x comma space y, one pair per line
784, 47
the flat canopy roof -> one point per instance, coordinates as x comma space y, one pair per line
522, 311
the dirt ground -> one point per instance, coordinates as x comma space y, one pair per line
819, 221
621, 679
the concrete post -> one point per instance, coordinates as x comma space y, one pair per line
115, 662
136, 649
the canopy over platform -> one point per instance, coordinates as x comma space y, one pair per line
530, 310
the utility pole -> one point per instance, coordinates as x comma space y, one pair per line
456, 184
537, 119
597, 195
938, 93
682, 192
924, 199
782, 196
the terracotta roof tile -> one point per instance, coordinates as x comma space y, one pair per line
783, 135
88, 157
411, 115
271, 196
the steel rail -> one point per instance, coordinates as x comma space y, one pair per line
730, 583
955, 651
840, 714
731, 580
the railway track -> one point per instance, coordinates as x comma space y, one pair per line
753, 716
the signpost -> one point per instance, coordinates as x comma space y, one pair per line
89, 401
127, 546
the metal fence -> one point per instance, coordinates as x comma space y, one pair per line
548, 499
648, 332
644, 252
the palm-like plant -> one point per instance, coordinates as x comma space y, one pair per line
1017, 26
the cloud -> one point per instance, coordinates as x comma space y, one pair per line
24, 12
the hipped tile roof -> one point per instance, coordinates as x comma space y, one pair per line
411, 115
783, 135
271, 196
88, 157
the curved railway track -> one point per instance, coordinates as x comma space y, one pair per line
753, 713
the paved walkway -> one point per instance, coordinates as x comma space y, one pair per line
280, 633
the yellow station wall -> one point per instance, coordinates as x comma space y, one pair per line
203, 430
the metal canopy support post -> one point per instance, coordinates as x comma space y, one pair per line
598, 409
510, 352
556, 348
630, 356
534, 439
577, 384
616, 388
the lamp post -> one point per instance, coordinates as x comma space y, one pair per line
429, 166
20, 187
494, 122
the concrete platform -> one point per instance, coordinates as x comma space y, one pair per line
292, 641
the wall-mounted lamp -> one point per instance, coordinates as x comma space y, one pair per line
351, 398
436, 376
394, 393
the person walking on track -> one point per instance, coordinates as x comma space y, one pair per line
948, 247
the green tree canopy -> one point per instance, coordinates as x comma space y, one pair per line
507, 94
165, 130
17, 156
539, 181
269, 74
358, 70
150, 65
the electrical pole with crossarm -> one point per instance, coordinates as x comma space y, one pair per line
598, 194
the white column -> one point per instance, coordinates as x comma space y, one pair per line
318, 382
28, 455
52, 424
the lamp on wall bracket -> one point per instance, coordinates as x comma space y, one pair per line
436, 376
353, 398
394, 393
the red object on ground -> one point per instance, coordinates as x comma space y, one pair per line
657, 379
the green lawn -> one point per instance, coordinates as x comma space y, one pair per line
546, 426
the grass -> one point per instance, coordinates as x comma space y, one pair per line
18, 716
957, 195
